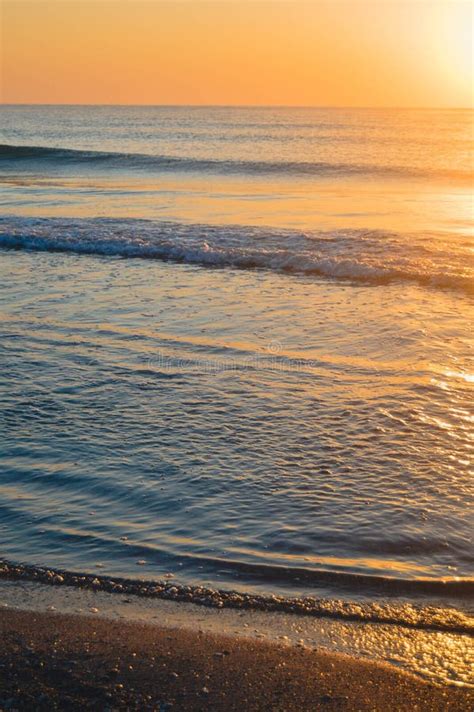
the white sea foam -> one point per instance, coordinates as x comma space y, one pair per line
361, 256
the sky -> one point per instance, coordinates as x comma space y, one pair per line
238, 52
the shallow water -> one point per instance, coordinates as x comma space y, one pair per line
276, 396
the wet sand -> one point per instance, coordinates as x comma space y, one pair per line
53, 661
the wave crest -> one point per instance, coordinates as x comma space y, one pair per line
24, 156
367, 257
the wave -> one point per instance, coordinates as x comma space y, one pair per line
371, 257
45, 155
405, 614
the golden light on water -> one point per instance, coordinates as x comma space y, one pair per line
469, 377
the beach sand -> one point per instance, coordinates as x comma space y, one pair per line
54, 661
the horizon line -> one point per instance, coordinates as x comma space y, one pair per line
244, 106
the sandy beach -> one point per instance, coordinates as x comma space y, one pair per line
54, 661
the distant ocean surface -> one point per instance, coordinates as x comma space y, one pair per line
237, 348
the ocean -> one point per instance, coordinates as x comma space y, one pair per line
236, 353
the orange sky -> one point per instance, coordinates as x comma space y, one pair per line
295, 52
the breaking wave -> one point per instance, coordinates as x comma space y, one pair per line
372, 257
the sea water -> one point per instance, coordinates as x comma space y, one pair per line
236, 349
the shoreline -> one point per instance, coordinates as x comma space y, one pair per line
50, 660
411, 614
439, 657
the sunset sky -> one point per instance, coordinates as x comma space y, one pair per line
295, 52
